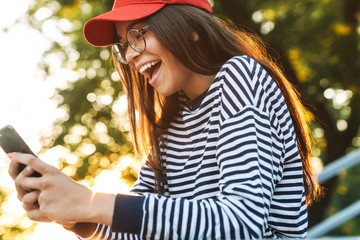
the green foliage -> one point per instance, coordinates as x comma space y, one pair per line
90, 121
2, 199
7, 231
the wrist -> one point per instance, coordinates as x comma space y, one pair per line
101, 208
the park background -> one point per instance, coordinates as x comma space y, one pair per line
64, 97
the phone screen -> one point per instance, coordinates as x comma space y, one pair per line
10, 141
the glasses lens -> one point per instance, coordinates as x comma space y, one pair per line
136, 40
119, 53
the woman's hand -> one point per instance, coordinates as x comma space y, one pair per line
53, 196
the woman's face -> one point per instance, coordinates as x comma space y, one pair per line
161, 68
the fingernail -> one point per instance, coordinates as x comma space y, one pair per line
10, 155
28, 168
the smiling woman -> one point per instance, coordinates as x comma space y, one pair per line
222, 131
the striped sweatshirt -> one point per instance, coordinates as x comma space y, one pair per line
233, 168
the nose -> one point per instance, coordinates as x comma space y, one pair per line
131, 54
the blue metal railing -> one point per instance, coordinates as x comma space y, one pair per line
339, 165
347, 213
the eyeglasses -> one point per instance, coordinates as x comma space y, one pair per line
135, 38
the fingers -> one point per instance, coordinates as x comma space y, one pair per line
13, 169
36, 215
30, 200
29, 160
32, 207
21, 185
27, 186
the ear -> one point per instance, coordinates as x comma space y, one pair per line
195, 36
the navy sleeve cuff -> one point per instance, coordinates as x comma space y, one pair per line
128, 213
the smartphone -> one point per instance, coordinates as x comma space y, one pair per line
10, 141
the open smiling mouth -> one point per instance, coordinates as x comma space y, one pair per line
148, 70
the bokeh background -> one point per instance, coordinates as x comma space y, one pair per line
64, 97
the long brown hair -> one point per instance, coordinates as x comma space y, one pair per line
218, 41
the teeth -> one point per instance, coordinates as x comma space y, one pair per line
146, 66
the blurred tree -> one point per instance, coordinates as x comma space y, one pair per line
94, 125
316, 42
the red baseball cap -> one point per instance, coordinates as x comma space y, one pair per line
99, 31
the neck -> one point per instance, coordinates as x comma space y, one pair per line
198, 85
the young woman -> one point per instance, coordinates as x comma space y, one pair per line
223, 132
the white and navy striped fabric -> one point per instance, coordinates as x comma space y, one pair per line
233, 165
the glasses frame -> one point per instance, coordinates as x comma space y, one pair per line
119, 49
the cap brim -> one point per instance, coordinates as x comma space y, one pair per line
99, 31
